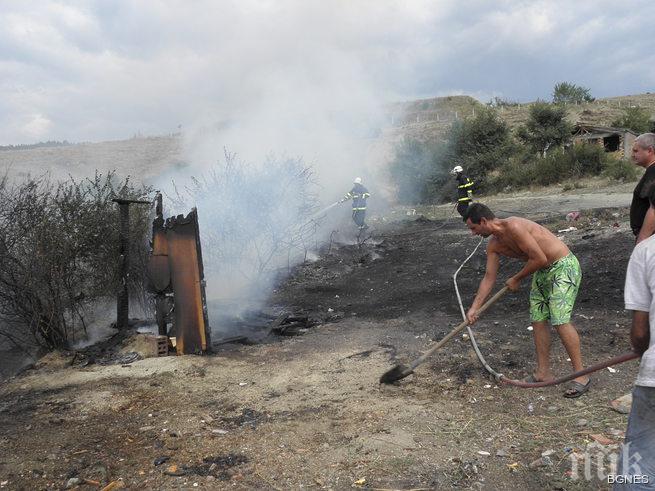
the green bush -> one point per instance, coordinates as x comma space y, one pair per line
560, 164
481, 144
516, 173
546, 127
588, 160
621, 170
636, 119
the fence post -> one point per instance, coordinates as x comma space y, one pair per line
123, 296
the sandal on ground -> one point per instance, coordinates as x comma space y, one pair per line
576, 389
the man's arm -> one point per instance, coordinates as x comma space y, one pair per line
487, 283
529, 246
640, 332
648, 228
639, 297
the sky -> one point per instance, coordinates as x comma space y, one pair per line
109, 70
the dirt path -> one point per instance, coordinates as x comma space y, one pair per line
541, 204
308, 412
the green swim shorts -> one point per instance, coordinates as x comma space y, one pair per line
554, 290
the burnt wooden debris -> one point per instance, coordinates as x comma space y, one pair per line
255, 326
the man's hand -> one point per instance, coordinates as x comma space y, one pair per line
513, 284
472, 316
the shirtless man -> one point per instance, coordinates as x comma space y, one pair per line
556, 279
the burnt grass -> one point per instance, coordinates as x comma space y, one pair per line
308, 411
408, 269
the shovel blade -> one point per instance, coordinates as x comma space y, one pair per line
396, 373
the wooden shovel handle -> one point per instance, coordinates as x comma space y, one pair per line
464, 323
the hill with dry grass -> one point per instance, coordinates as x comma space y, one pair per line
600, 112
139, 157
431, 118
423, 119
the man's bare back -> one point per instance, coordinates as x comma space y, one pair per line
505, 243
518, 238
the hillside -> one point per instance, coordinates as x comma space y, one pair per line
140, 157
422, 119
431, 118
600, 112
428, 118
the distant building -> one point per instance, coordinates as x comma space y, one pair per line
611, 139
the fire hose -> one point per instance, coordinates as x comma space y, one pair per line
445, 222
630, 355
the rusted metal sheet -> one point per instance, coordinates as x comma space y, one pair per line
159, 274
188, 283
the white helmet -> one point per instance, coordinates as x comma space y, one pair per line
358, 180
457, 169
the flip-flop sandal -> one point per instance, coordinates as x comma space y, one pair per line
576, 389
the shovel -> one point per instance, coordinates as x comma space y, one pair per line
401, 371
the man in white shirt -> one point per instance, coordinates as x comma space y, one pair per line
636, 465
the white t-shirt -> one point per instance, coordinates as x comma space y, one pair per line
640, 295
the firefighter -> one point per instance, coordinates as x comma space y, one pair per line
464, 189
358, 194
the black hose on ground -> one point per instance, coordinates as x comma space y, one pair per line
452, 212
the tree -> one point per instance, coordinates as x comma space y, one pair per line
480, 144
546, 127
636, 119
566, 93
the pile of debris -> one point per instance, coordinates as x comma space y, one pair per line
253, 327
292, 325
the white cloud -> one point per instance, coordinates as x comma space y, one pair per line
102, 70
37, 127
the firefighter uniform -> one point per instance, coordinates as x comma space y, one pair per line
358, 194
464, 193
